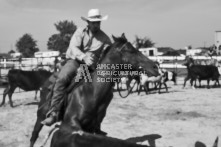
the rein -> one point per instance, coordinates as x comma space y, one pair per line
101, 56
123, 46
129, 91
102, 53
118, 89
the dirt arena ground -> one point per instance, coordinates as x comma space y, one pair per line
181, 117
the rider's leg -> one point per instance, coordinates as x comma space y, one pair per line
66, 74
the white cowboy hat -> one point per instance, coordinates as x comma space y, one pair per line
94, 15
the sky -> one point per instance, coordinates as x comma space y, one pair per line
168, 23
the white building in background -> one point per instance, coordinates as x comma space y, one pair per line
15, 55
218, 41
47, 54
192, 52
150, 51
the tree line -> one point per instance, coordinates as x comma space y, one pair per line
59, 41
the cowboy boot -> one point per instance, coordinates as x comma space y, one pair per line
51, 119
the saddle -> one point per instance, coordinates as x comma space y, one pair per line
49, 86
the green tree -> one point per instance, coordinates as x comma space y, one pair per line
26, 45
60, 41
143, 42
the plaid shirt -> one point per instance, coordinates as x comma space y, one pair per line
82, 41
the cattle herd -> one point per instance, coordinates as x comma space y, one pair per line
35, 80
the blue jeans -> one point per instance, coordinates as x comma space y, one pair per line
65, 76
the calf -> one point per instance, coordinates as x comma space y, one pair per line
159, 80
145, 80
82, 139
171, 76
26, 80
201, 72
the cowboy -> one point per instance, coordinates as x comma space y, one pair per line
85, 47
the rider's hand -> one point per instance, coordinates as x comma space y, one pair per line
88, 59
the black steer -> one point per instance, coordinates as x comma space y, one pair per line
201, 72
26, 80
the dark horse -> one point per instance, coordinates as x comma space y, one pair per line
88, 101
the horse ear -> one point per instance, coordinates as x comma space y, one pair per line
123, 36
114, 38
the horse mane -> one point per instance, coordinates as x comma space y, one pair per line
104, 53
117, 41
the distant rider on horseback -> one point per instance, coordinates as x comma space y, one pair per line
85, 47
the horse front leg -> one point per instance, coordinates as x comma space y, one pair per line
101, 113
41, 115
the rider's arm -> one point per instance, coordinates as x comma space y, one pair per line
107, 42
74, 51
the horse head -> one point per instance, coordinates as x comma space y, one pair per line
132, 56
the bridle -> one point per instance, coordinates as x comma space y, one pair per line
123, 46
131, 88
